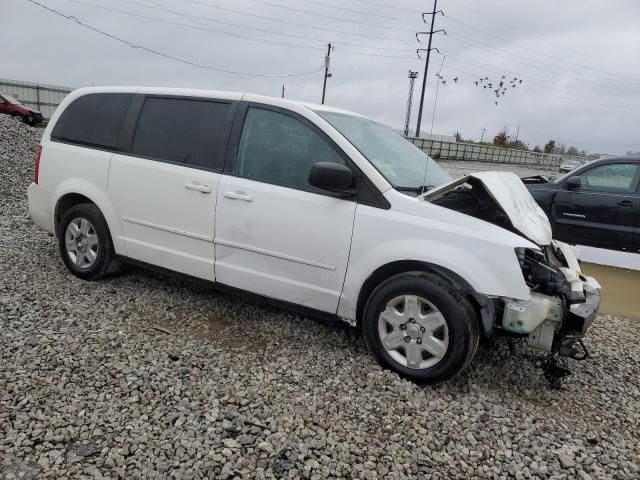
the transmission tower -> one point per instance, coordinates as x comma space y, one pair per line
407, 119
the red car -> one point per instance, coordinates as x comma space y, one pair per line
11, 106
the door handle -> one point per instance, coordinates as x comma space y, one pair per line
238, 195
198, 186
626, 203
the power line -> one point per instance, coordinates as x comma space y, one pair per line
261, 40
591, 68
354, 22
510, 27
359, 12
161, 54
538, 66
205, 27
541, 82
578, 99
279, 20
537, 63
378, 4
208, 29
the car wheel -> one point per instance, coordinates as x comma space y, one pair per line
418, 326
21, 118
85, 242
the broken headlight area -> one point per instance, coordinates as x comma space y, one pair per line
562, 304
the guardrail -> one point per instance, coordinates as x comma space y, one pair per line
485, 153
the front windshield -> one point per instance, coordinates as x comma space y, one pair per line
403, 164
10, 99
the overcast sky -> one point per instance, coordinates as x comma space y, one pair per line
578, 59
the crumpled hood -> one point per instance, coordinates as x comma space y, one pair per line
512, 196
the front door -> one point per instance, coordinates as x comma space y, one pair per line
165, 189
276, 235
603, 211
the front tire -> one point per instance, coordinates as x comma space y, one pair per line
85, 242
419, 326
21, 118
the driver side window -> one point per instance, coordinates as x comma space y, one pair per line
279, 149
615, 177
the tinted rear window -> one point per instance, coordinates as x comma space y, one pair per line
182, 131
93, 119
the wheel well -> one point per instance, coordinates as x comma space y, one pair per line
65, 203
480, 303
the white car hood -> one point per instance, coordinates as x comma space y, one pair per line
510, 193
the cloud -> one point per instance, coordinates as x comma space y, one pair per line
578, 60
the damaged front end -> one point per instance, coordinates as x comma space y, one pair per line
562, 305
563, 302
560, 310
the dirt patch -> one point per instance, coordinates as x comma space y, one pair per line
620, 289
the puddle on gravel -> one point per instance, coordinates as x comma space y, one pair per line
620, 289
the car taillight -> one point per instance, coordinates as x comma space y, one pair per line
36, 169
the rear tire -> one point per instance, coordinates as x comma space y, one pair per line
85, 243
419, 326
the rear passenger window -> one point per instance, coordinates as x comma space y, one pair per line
182, 131
93, 119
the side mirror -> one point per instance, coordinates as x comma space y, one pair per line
333, 177
574, 183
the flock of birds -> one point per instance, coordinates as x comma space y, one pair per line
499, 87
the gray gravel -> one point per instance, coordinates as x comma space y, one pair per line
89, 389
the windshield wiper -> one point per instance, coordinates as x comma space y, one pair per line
420, 189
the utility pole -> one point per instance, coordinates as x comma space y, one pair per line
282, 91
327, 61
426, 64
482, 137
517, 134
407, 118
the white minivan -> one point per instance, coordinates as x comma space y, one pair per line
316, 208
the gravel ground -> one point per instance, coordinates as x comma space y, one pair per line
222, 388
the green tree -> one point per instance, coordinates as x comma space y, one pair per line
572, 151
550, 147
517, 145
501, 139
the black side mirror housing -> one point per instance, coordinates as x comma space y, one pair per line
574, 183
333, 177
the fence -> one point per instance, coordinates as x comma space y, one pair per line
44, 98
485, 153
